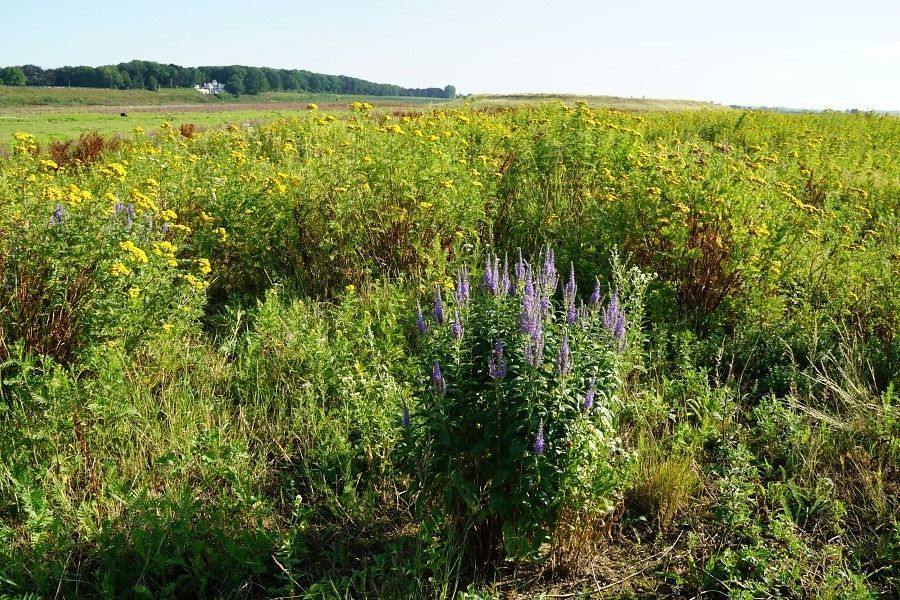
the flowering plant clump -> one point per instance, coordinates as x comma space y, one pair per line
513, 423
80, 267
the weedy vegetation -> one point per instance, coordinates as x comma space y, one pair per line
479, 352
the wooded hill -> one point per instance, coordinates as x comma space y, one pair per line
238, 79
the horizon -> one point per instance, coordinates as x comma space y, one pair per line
809, 56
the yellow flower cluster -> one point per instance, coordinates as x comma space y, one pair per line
134, 253
205, 267
120, 270
194, 282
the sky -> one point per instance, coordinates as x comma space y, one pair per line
790, 53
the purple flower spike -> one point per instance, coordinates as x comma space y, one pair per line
462, 285
504, 279
421, 325
619, 331
570, 285
570, 296
437, 380
57, 216
534, 351
457, 325
614, 306
520, 267
570, 313
490, 283
118, 208
438, 306
129, 214
539, 439
405, 418
529, 284
563, 358
612, 312
589, 396
549, 274
595, 295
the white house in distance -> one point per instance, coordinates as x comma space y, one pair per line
211, 87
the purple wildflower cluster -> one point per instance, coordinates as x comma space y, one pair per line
536, 286
127, 210
536, 295
614, 320
497, 282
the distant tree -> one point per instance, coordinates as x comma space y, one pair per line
12, 76
450, 92
152, 83
235, 84
275, 79
37, 76
255, 81
110, 77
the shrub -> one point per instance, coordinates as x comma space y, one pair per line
512, 434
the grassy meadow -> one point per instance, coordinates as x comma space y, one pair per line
58, 114
478, 351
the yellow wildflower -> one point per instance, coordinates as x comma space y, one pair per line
194, 282
134, 292
164, 248
204, 266
120, 270
136, 254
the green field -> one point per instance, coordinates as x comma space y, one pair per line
497, 348
65, 113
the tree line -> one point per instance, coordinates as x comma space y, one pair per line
238, 79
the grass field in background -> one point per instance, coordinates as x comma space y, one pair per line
64, 113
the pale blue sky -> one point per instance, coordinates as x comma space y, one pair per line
800, 53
